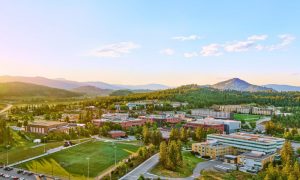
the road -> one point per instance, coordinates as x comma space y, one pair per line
142, 168
259, 125
6, 108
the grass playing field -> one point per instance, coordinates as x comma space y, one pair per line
74, 162
189, 163
246, 117
23, 149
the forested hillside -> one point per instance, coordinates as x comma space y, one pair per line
205, 97
23, 90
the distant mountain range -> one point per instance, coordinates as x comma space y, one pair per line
23, 90
92, 91
279, 87
69, 85
99, 88
239, 85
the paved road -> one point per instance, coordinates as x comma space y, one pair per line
6, 108
142, 168
259, 125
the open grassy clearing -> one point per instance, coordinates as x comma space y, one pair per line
74, 162
189, 163
246, 117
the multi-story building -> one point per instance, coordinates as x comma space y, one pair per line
230, 126
244, 142
44, 127
211, 113
206, 125
262, 111
234, 108
124, 123
212, 149
254, 161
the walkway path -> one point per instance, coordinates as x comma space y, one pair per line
142, 168
6, 108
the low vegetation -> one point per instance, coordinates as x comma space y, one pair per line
189, 162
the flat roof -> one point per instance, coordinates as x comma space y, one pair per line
250, 137
47, 123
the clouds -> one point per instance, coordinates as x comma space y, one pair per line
115, 50
167, 51
253, 43
187, 38
211, 50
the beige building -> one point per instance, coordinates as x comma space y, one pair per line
213, 149
44, 127
262, 111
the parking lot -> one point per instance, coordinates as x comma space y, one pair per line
17, 174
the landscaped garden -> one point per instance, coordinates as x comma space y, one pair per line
74, 162
186, 170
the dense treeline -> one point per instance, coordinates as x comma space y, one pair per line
204, 97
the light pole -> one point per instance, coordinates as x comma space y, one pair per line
88, 167
7, 146
44, 144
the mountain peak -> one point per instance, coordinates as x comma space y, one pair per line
239, 85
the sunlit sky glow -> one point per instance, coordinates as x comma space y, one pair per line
140, 42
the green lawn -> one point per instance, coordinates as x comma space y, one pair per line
189, 163
74, 160
246, 117
23, 149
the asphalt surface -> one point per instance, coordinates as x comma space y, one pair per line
142, 168
15, 174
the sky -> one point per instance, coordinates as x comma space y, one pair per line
171, 42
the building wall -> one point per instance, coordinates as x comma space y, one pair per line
212, 151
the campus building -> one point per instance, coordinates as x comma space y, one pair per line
44, 127
230, 126
219, 127
254, 161
124, 123
116, 134
244, 142
212, 149
211, 113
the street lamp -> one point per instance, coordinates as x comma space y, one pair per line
88, 167
44, 144
113, 144
7, 147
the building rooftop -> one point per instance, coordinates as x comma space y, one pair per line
250, 137
47, 123
256, 155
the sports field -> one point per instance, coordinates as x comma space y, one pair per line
73, 162
246, 117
